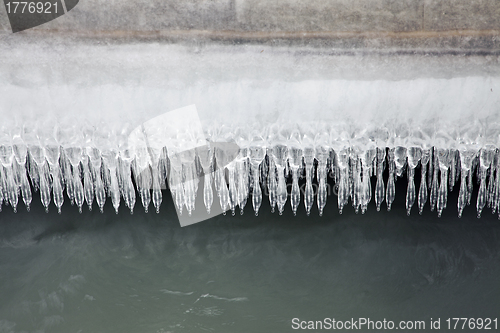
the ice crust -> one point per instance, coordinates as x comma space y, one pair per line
88, 174
67, 120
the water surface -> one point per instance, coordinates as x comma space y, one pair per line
144, 273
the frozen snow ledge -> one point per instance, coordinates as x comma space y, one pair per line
335, 133
68, 109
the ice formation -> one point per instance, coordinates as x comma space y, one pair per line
306, 130
266, 163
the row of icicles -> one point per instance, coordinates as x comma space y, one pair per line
87, 175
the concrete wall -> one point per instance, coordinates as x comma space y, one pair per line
278, 15
340, 24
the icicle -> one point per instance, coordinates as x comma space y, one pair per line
344, 180
497, 193
190, 186
243, 186
390, 192
443, 157
355, 163
71, 158
3, 185
44, 185
422, 193
379, 187
470, 185
11, 190
264, 171
232, 187
164, 167
256, 190
355, 176
430, 175
272, 183
88, 183
33, 171
157, 182
414, 156
205, 156
453, 169
435, 180
334, 169
97, 181
279, 155
309, 192
220, 182
39, 173
257, 155
496, 185
322, 154
78, 190
366, 171
466, 159
52, 154
20, 170
242, 178
491, 189
462, 197
486, 157
157, 196
20, 153
110, 161
67, 174
491, 183
223, 192
177, 189
295, 160
141, 166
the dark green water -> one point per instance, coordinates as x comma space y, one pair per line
144, 273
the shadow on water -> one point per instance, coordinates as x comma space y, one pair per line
144, 273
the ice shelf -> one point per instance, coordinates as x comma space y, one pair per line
265, 163
311, 126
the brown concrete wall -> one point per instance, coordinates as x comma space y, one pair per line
461, 14
435, 23
279, 15
336, 15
